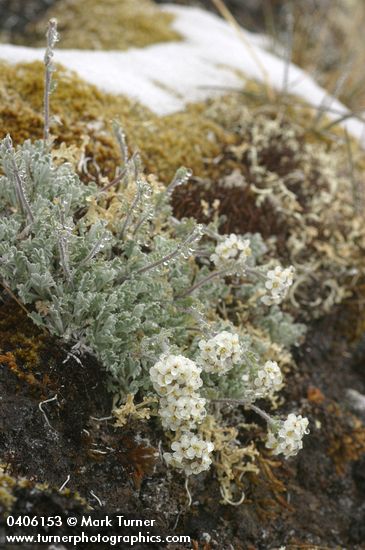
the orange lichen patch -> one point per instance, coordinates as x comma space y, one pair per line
347, 441
315, 395
136, 458
20, 341
268, 489
110, 25
9, 360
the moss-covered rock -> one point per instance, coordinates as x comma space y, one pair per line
265, 166
23, 496
85, 114
293, 183
107, 25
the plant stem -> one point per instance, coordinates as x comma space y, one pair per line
52, 38
200, 283
133, 206
122, 142
19, 184
261, 413
116, 180
63, 249
161, 261
254, 408
95, 249
190, 238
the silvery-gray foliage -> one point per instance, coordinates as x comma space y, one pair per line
115, 294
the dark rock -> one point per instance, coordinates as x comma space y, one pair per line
16, 14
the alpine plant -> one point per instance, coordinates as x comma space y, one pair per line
113, 274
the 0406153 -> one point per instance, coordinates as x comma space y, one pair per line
34, 521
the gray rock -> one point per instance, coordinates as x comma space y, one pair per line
356, 402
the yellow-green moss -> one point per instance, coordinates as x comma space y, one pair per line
20, 340
189, 137
192, 137
106, 25
7, 484
346, 438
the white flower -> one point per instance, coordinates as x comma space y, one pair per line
182, 413
262, 382
278, 281
219, 354
287, 438
172, 372
191, 454
268, 379
176, 379
232, 254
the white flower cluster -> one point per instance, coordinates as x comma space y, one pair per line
232, 254
183, 412
278, 281
220, 353
191, 454
175, 375
265, 381
176, 379
287, 439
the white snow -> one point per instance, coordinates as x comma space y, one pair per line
165, 77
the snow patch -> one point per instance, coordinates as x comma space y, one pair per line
211, 58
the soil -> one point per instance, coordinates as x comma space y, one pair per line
314, 500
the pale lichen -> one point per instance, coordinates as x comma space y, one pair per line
231, 460
133, 411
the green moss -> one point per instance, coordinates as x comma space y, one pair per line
20, 340
7, 498
107, 25
18, 495
187, 138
